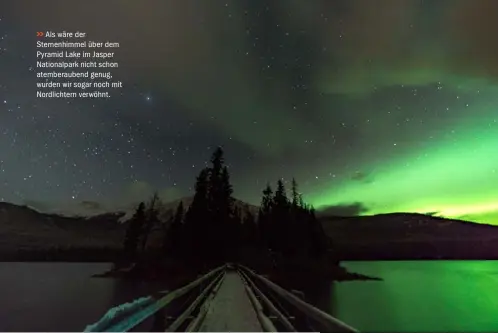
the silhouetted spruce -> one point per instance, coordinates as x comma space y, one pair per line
151, 218
318, 238
280, 217
134, 232
214, 228
233, 234
249, 231
295, 194
280, 200
226, 192
173, 239
220, 189
290, 227
220, 204
264, 217
196, 218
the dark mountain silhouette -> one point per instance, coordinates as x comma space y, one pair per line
410, 236
386, 236
25, 229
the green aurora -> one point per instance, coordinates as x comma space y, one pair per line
318, 90
455, 175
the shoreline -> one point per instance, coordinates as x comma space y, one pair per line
112, 259
151, 271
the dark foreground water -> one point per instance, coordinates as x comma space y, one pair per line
437, 296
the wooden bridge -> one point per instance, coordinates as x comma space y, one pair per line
230, 298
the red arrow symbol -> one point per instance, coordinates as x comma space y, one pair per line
39, 34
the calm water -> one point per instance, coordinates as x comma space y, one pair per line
430, 296
444, 296
60, 296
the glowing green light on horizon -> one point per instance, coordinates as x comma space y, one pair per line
456, 176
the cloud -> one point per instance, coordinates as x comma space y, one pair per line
91, 205
80, 208
38, 205
133, 193
200, 55
432, 213
141, 191
362, 177
346, 209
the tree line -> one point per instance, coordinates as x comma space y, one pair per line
214, 227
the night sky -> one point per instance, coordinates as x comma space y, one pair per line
374, 106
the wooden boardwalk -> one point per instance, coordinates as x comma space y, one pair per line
225, 304
231, 310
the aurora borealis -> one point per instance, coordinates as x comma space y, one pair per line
374, 106
456, 177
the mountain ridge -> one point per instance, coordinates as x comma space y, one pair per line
22, 227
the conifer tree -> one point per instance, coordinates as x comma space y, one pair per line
215, 191
301, 202
280, 199
167, 245
134, 231
279, 219
318, 238
264, 216
196, 217
249, 230
173, 239
180, 211
220, 203
199, 205
226, 192
151, 218
267, 201
295, 193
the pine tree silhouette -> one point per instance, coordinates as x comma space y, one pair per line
249, 231
151, 218
280, 199
196, 218
280, 218
134, 232
173, 240
226, 192
295, 193
290, 227
264, 217
220, 203
318, 238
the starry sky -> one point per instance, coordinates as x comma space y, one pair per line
374, 106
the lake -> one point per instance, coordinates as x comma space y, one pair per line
415, 296
423, 296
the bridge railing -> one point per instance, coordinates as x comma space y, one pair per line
326, 322
254, 293
121, 319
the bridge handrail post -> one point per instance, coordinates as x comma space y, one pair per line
331, 323
251, 285
265, 322
181, 318
139, 316
197, 322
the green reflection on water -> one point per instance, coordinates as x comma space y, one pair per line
421, 296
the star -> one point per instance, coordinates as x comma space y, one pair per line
288, 90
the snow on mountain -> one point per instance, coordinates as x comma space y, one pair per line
80, 224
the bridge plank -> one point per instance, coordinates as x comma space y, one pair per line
231, 310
